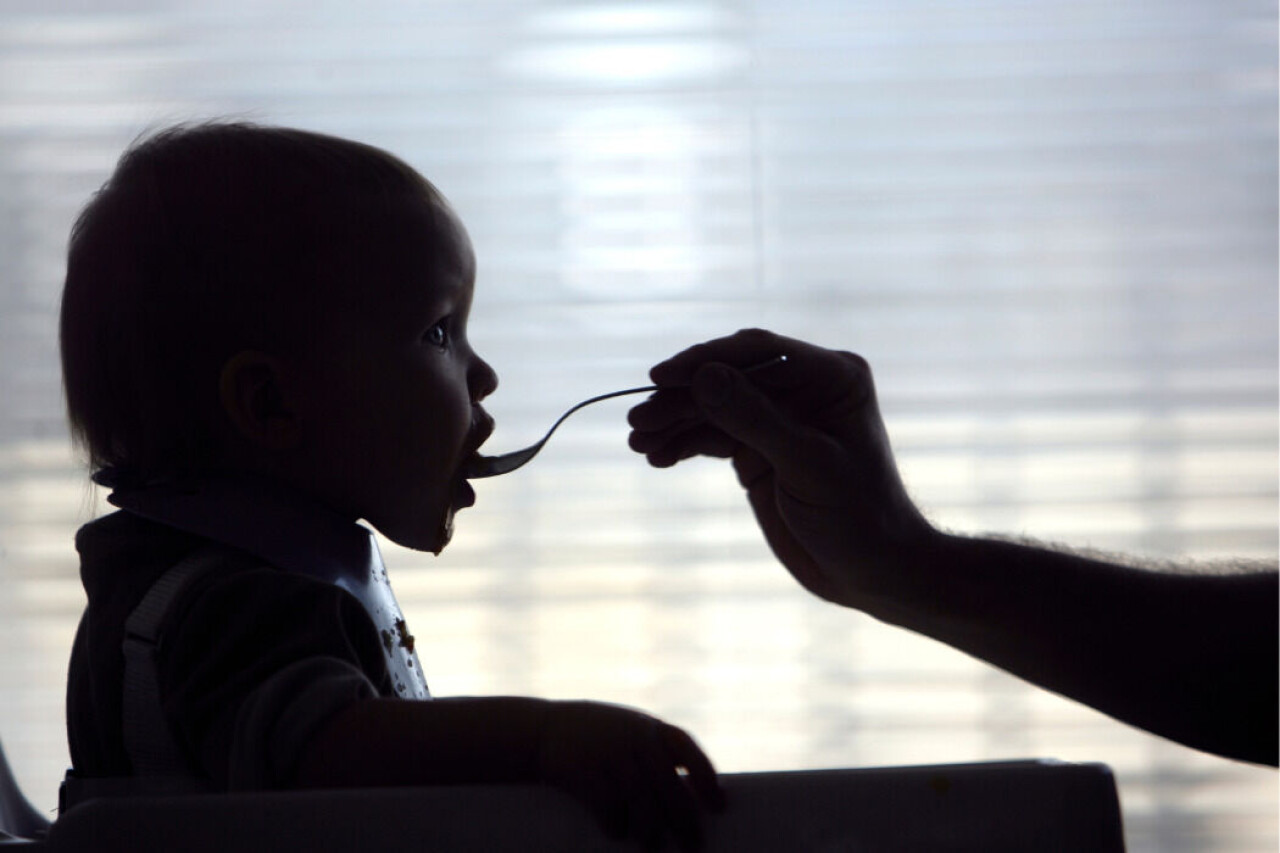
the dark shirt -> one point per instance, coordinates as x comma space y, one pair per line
253, 662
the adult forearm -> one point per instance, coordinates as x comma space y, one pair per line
1191, 657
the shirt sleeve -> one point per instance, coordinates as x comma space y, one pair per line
257, 663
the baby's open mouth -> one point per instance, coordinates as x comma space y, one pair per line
473, 462
464, 496
475, 466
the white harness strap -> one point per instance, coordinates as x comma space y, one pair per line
148, 739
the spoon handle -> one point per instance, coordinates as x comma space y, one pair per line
781, 359
491, 466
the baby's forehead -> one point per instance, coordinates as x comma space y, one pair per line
397, 257
422, 230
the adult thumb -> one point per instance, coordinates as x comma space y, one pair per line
730, 402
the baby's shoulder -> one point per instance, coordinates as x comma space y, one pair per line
231, 579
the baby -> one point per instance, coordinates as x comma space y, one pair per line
264, 339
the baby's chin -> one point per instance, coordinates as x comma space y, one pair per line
418, 536
445, 534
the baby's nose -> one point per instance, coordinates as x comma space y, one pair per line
482, 379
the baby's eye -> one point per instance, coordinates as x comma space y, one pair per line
438, 335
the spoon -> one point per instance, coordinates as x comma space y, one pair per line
479, 467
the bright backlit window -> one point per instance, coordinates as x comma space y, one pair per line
1051, 227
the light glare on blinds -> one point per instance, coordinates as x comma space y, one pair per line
1051, 227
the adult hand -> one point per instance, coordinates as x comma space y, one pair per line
623, 765
1188, 655
809, 446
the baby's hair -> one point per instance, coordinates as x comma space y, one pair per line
209, 238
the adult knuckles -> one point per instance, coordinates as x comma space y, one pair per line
856, 362
859, 375
741, 344
755, 337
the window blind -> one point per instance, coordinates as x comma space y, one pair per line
1051, 228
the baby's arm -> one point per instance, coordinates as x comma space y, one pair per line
266, 680
624, 765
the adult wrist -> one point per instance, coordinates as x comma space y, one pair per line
906, 579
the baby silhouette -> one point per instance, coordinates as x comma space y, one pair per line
264, 340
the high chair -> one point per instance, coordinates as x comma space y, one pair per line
19, 820
1008, 807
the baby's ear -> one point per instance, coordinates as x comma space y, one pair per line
253, 388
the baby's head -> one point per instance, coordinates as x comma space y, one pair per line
283, 304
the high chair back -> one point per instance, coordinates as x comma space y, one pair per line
18, 818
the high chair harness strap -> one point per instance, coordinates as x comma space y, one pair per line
148, 739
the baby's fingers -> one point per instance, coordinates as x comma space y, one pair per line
675, 798
673, 801
701, 774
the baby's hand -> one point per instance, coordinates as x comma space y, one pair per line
625, 767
